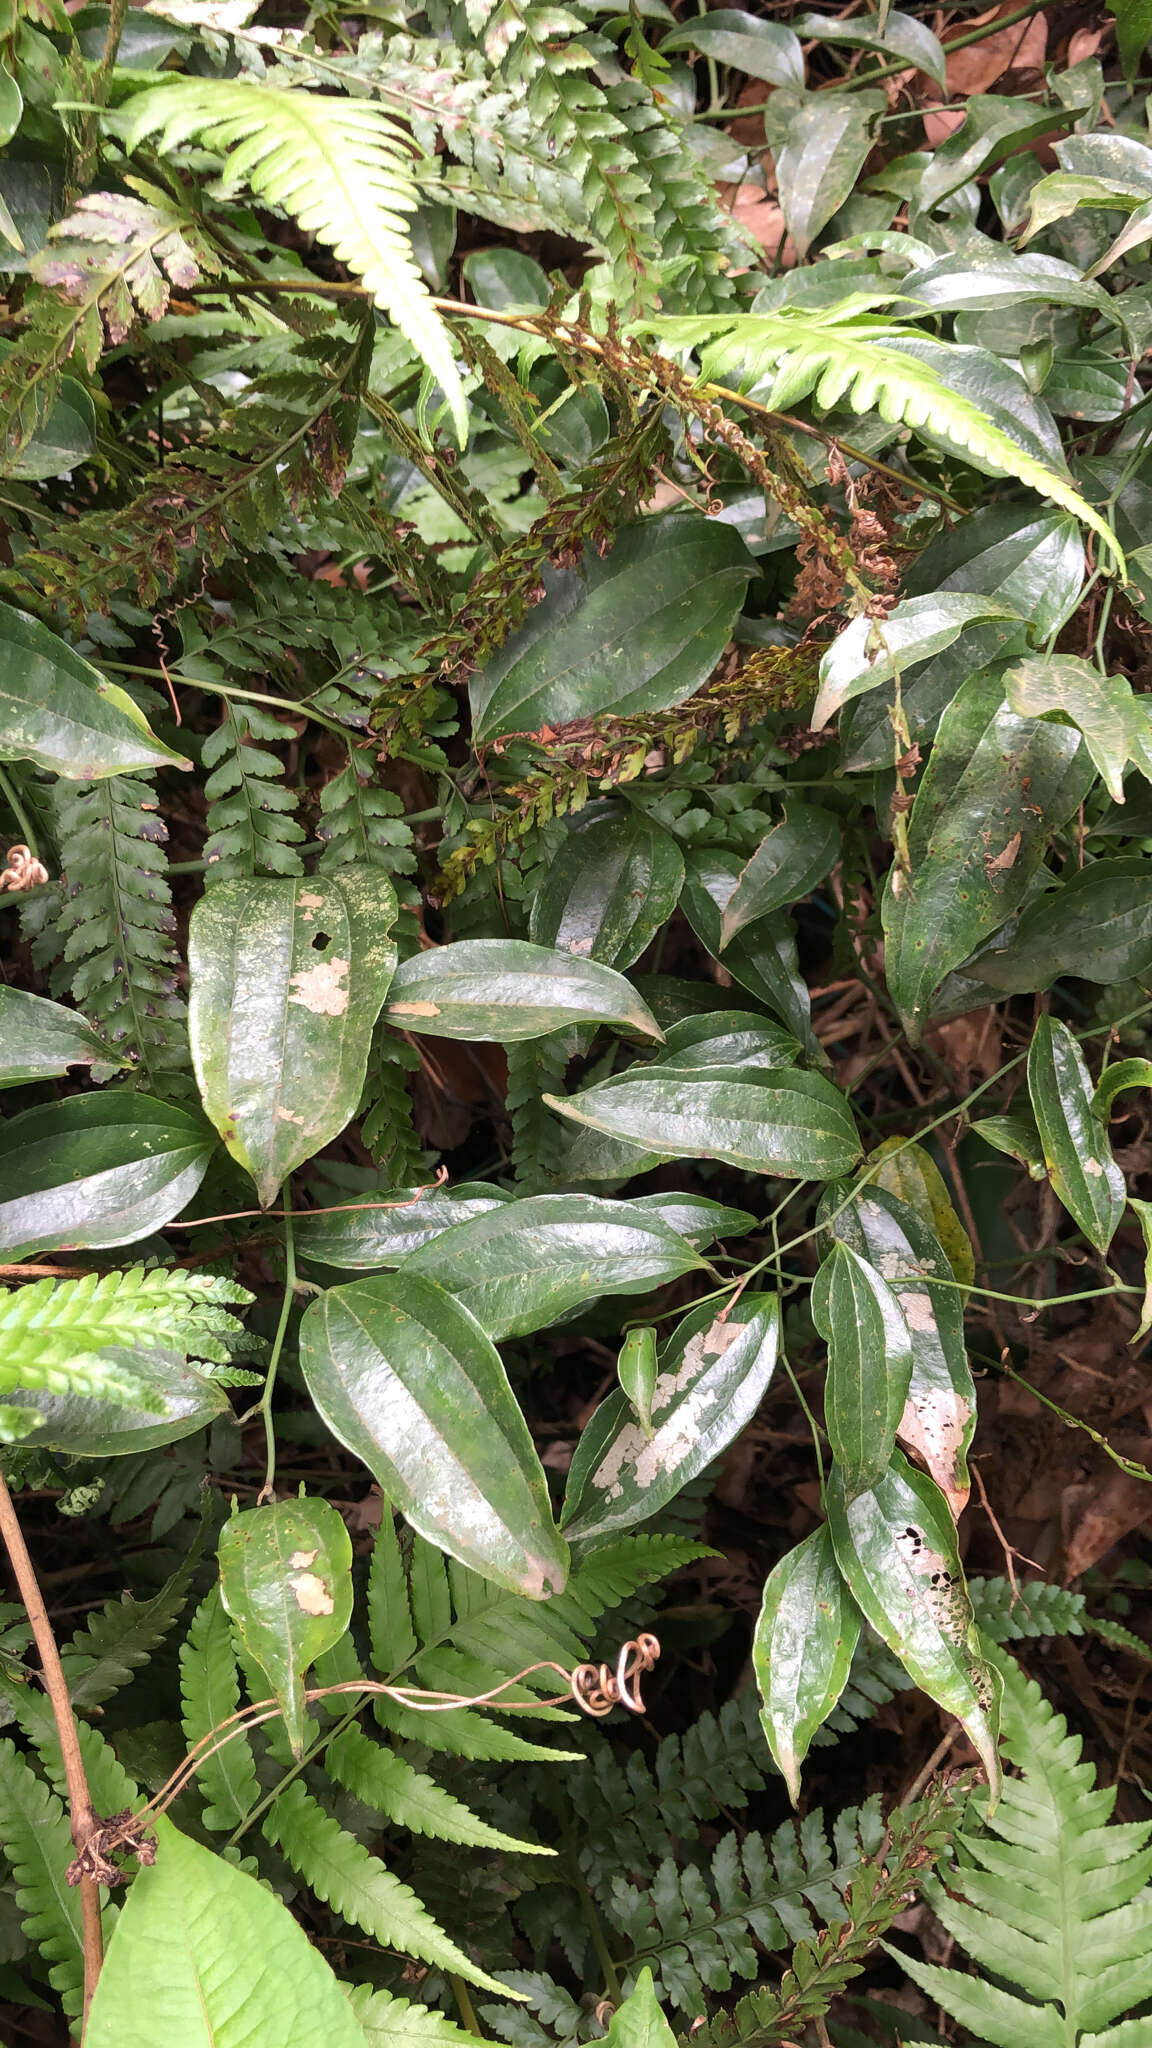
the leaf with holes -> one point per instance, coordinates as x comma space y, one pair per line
287, 980
407, 1380
712, 1376
286, 1581
1075, 1142
802, 1651
896, 1546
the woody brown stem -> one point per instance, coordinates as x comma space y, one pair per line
81, 1815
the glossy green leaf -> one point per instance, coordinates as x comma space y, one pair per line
712, 1377
614, 882
39, 1040
85, 1427
872, 651
381, 1227
912, 1175
994, 127
59, 712
1122, 1074
287, 980
1133, 31
760, 49
786, 866
939, 1415
96, 1170
985, 279
696, 1217
869, 1364
407, 1380
894, 35
725, 1038
1096, 924
776, 1120
1075, 1143
636, 1369
1025, 557
641, 633
525, 1263
802, 1651
11, 107
1100, 707
896, 1546
508, 990
1016, 1135
638, 2021
208, 1954
762, 957
65, 435
286, 1581
818, 142
996, 788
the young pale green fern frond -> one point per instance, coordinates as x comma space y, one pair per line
341, 168
856, 360
1057, 1903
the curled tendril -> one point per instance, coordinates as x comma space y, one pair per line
23, 871
596, 1689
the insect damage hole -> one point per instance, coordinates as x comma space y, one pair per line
320, 940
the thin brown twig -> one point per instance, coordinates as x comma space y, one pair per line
81, 1815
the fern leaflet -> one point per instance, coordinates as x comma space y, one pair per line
252, 824
1059, 1903
341, 168
396, 2023
382, 1779
210, 1691
38, 1845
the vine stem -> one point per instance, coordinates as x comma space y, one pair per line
81, 1814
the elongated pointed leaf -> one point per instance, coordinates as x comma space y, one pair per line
762, 955
1121, 1075
711, 1381
636, 1369
819, 142
61, 713
912, 1175
893, 34
1097, 925
896, 1546
802, 1652
525, 1263
508, 990
405, 1378
872, 651
642, 630
1077, 1152
940, 1412
287, 980
786, 865
996, 788
286, 1581
204, 1953
615, 881
1101, 707
96, 1170
780, 1120
869, 1364
729, 35
39, 1039
380, 1227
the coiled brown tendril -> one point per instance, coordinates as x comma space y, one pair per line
23, 871
597, 1689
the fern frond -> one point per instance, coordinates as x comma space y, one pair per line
110, 262
111, 1787
382, 1779
917, 1838
361, 822
535, 1068
210, 1692
37, 1841
854, 359
252, 824
356, 1884
390, 2022
115, 929
386, 1110
52, 1324
120, 1637
1059, 1903
695, 1930
1037, 1609
341, 168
